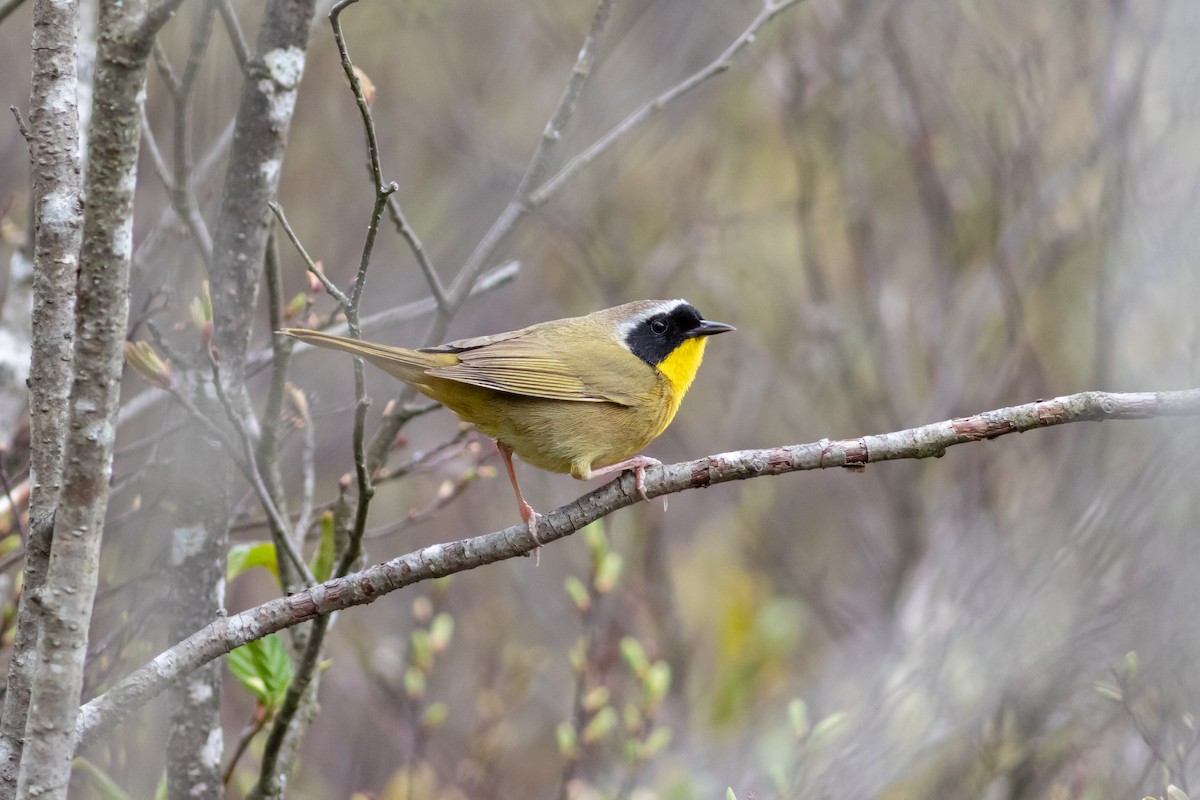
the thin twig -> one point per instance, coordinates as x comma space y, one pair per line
10, 7
518, 205
279, 525
721, 64
153, 19
165, 70
249, 471
12, 506
361, 471
418, 250
364, 108
561, 117
233, 28
308, 473
269, 782
268, 440
247, 733
330, 287
393, 203
182, 197
21, 129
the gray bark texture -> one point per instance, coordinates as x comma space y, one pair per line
101, 312
58, 221
200, 536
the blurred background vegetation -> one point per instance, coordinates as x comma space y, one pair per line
911, 211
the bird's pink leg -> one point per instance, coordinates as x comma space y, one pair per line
528, 515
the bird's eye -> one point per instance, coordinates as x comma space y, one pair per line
658, 325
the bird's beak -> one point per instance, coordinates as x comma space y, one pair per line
707, 328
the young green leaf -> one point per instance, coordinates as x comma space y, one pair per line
247, 556
635, 656
441, 632
433, 716
322, 565
567, 738
264, 668
600, 726
578, 593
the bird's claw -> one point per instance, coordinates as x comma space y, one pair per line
639, 479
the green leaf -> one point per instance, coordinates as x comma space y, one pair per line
1175, 793
441, 632
414, 682
1108, 691
657, 682
264, 668
105, 787
245, 557
322, 565
798, 716
655, 742
578, 655
567, 739
633, 718
595, 698
828, 729
578, 593
433, 716
635, 656
608, 572
729, 795
421, 649
601, 725
1129, 667
597, 542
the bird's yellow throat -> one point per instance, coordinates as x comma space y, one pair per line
681, 365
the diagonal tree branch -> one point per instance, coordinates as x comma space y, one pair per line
368, 585
722, 63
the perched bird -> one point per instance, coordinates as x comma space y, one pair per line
581, 395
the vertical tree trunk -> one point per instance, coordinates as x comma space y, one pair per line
239, 246
100, 318
58, 220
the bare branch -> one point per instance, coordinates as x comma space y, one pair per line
517, 207
552, 135
527, 198
330, 287
418, 250
153, 19
280, 529
722, 63
928, 441
10, 7
234, 29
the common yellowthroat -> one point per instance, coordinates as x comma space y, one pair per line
581, 395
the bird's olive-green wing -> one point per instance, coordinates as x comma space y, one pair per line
560, 363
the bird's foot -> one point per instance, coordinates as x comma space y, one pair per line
531, 518
637, 465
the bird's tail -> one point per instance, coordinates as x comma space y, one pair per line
399, 362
